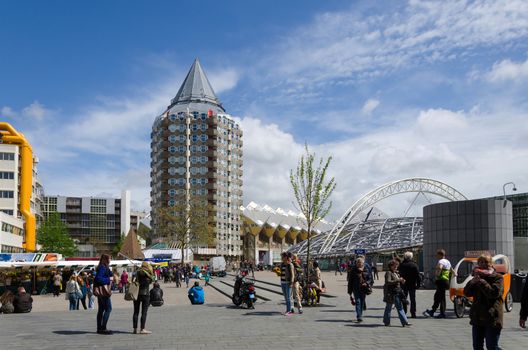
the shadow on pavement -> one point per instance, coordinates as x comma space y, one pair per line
336, 321
364, 325
85, 332
263, 313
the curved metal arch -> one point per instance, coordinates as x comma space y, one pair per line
416, 184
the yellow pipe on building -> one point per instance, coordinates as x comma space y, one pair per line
11, 136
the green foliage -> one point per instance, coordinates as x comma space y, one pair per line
186, 223
118, 246
54, 238
312, 190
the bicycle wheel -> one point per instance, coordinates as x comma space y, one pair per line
459, 306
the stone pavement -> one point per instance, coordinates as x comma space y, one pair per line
220, 325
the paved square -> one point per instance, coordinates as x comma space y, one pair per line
220, 325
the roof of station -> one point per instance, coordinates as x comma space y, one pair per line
265, 215
196, 88
375, 235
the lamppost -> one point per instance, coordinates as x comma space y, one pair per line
504, 188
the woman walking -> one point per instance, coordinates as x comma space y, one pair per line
144, 276
84, 290
486, 312
287, 278
359, 279
102, 283
73, 292
392, 293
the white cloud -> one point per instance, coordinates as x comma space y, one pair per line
35, 110
361, 43
8, 112
370, 105
475, 152
506, 70
223, 80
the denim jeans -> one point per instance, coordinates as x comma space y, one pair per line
73, 301
491, 335
399, 307
286, 291
103, 313
360, 301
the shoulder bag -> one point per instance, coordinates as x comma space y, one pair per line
132, 291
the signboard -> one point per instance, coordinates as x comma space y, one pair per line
477, 253
360, 251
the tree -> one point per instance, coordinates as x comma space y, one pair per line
53, 236
186, 223
312, 192
118, 246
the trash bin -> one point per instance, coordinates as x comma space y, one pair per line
517, 285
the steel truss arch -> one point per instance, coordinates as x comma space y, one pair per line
420, 185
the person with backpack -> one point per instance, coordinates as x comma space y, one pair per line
156, 295
144, 276
486, 313
443, 272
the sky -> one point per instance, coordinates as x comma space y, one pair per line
392, 90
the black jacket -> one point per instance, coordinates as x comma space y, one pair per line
156, 297
524, 303
144, 279
23, 303
410, 273
355, 277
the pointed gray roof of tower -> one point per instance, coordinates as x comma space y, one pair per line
196, 88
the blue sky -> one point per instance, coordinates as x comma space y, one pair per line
415, 88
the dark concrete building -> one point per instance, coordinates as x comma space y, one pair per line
481, 224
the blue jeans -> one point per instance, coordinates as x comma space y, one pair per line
286, 291
74, 302
399, 307
360, 301
491, 335
103, 313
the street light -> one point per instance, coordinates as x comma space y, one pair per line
504, 191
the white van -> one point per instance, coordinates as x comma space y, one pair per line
217, 264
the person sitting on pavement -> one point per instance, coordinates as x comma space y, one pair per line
23, 302
156, 295
7, 302
196, 294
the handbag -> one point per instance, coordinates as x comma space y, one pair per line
102, 291
132, 291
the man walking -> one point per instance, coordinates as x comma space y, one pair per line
442, 272
411, 274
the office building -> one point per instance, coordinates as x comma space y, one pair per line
95, 223
12, 231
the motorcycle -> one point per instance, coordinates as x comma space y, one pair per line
244, 292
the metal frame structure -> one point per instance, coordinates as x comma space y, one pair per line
329, 241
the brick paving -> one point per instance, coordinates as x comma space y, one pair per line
220, 325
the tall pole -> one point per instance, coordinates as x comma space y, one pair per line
187, 178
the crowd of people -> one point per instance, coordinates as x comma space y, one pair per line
302, 283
